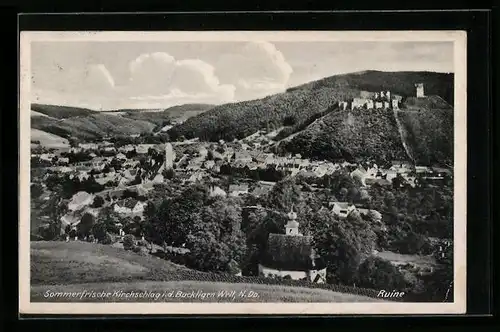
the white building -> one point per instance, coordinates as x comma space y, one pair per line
342, 209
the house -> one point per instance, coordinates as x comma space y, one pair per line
359, 174
374, 214
80, 200
343, 105
216, 191
63, 160
341, 209
158, 178
422, 169
125, 206
261, 190
386, 105
121, 156
209, 164
47, 156
401, 166
88, 146
378, 104
292, 255
380, 181
197, 176
238, 189
144, 148
126, 148
130, 174
242, 156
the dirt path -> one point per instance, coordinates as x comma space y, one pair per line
402, 135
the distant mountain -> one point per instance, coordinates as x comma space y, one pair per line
92, 125
300, 105
61, 112
65, 121
399, 83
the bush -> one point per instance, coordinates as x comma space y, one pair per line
98, 202
136, 249
107, 239
378, 273
128, 242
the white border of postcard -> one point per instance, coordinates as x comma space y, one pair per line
460, 173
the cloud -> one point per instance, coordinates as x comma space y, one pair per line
90, 85
161, 75
256, 69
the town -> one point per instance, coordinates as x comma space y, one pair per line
110, 176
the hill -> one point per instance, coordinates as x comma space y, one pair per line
349, 135
301, 105
84, 123
73, 266
429, 135
61, 112
399, 83
92, 125
48, 140
238, 120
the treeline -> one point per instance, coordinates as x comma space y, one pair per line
400, 83
238, 120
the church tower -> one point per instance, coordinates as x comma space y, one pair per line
292, 227
169, 156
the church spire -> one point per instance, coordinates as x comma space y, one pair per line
292, 227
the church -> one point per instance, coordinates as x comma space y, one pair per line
292, 254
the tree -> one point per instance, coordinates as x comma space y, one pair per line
284, 195
98, 202
99, 231
55, 208
36, 190
217, 242
338, 245
85, 226
378, 273
128, 242
168, 173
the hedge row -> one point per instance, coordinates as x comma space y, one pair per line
212, 277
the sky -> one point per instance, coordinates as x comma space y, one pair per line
112, 75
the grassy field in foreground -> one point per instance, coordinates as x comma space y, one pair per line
188, 291
59, 263
81, 266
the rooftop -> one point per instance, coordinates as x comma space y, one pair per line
292, 253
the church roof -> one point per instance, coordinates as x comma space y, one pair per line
290, 252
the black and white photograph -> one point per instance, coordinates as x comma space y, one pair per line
243, 172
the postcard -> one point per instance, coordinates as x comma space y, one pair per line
241, 172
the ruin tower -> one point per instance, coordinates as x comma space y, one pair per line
169, 156
420, 90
